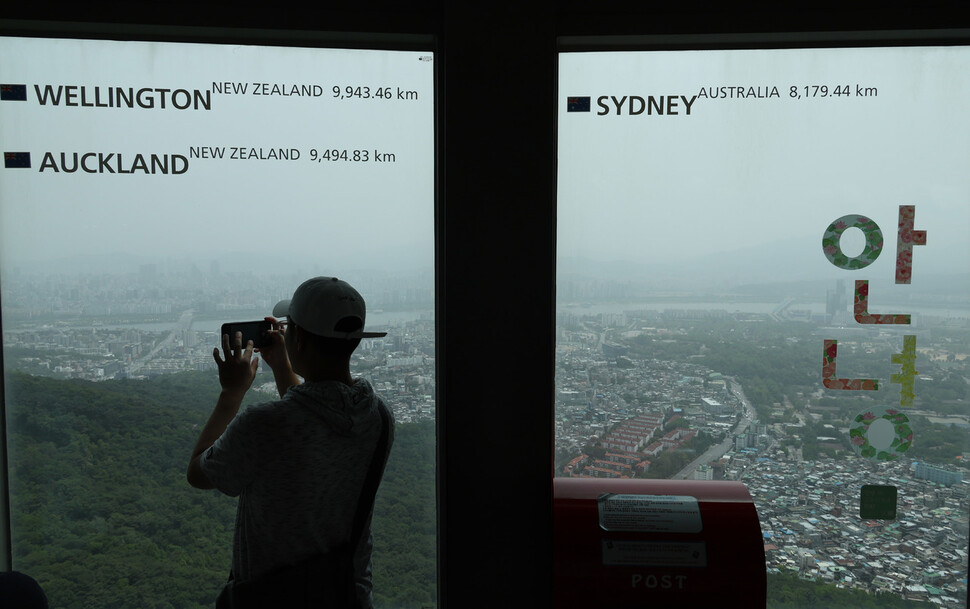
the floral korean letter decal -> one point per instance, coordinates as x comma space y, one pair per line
831, 242
906, 238
907, 372
830, 377
861, 308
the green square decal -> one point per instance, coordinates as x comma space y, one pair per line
877, 502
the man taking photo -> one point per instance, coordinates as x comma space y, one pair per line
305, 467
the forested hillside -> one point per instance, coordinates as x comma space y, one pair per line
102, 515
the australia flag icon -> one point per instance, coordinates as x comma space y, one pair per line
577, 104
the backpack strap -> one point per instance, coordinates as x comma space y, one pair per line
365, 505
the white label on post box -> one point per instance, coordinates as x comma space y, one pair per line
649, 513
654, 553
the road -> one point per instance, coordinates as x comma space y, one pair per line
184, 323
718, 450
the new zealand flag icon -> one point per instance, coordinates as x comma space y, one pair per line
13, 92
16, 160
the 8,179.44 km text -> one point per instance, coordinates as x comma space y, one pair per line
836, 91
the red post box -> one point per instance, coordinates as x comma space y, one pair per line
656, 543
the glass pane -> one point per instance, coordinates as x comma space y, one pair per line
150, 193
734, 223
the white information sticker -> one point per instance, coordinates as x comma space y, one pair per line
650, 513
654, 553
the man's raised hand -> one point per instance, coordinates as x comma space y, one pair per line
237, 368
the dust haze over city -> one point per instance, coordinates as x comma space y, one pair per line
115, 270
150, 193
694, 296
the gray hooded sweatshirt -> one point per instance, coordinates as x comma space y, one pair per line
298, 466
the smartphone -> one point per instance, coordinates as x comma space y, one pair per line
251, 330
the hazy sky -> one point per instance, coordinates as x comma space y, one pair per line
770, 172
333, 213
767, 175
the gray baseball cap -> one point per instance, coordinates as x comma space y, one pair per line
319, 304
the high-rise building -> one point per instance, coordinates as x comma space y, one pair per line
703, 472
937, 474
836, 300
